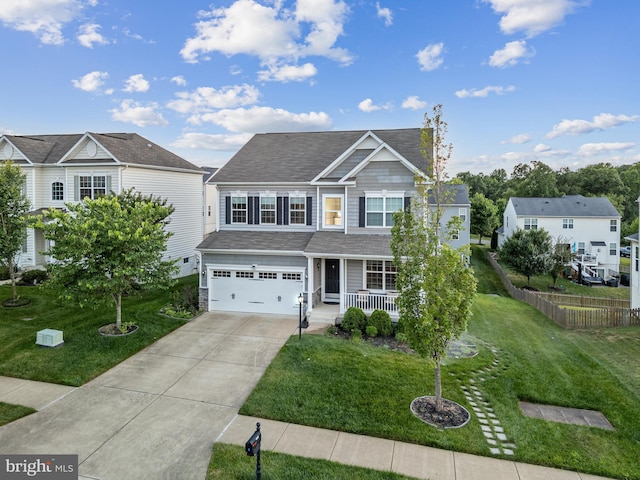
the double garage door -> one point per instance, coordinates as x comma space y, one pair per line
267, 290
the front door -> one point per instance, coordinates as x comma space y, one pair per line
332, 277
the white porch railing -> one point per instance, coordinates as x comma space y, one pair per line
369, 302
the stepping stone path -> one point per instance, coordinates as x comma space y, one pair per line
497, 439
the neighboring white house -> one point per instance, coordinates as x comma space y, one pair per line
311, 213
67, 168
634, 270
589, 225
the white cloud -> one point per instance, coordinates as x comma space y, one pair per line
511, 54
603, 121
267, 119
288, 73
430, 57
518, 139
592, 149
44, 18
541, 148
270, 33
179, 80
385, 14
368, 106
206, 99
136, 83
88, 35
413, 102
475, 93
205, 141
138, 114
91, 82
532, 16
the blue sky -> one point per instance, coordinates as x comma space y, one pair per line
519, 80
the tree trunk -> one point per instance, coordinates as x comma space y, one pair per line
438, 387
118, 310
12, 276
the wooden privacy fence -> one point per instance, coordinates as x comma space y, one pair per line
592, 313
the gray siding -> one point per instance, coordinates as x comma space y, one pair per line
354, 275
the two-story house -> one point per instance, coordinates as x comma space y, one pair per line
589, 225
67, 168
311, 213
634, 270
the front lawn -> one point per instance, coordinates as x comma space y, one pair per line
10, 412
85, 353
349, 386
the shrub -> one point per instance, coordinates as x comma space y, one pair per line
356, 336
186, 299
33, 277
332, 330
4, 272
372, 331
401, 337
382, 321
354, 319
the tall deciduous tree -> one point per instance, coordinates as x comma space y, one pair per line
484, 216
561, 256
435, 281
528, 252
109, 246
14, 206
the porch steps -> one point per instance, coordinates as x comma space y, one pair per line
322, 316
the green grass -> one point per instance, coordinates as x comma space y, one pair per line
341, 385
230, 462
10, 412
85, 353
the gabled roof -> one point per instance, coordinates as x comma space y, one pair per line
455, 195
125, 148
301, 157
567, 206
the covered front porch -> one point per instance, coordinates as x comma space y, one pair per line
351, 271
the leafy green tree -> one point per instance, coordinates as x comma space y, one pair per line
107, 247
484, 216
14, 206
561, 256
435, 281
539, 180
528, 252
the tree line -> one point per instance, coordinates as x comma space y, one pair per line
490, 193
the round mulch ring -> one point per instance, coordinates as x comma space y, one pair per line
20, 302
453, 415
111, 330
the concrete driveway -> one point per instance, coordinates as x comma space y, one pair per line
157, 414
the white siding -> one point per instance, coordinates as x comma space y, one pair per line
184, 192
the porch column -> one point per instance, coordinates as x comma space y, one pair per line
310, 283
343, 286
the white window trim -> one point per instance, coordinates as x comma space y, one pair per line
384, 276
275, 208
93, 175
567, 223
532, 222
63, 190
384, 194
246, 209
462, 213
304, 209
324, 199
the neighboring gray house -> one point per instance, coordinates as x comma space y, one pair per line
311, 214
589, 225
67, 168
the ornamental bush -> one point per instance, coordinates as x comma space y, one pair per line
33, 277
382, 321
371, 331
354, 319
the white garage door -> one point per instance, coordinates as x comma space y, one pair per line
262, 291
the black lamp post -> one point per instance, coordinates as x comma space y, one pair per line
300, 300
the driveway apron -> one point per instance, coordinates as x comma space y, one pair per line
157, 414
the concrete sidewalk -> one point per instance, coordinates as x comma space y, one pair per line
388, 455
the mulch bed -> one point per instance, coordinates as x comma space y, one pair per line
111, 330
452, 415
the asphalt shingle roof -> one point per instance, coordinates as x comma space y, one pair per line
256, 241
128, 148
300, 157
337, 243
567, 206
